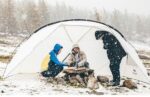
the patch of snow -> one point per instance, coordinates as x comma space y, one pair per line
33, 84
6, 50
141, 46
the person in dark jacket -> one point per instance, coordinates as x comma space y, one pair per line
54, 65
115, 53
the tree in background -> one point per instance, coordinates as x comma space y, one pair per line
23, 17
98, 16
9, 23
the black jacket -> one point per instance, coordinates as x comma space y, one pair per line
113, 46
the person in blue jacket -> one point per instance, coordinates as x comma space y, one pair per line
54, 65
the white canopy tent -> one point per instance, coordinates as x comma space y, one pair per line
32, 52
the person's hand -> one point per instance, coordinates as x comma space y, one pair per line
73, 62
80, 64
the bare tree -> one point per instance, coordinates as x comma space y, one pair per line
9, 23
32, 16
97, 15
43, 12
25, 16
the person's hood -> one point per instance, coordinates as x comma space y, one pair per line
57, 47
99, 34
75, 45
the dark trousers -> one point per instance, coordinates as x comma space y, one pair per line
53, 70
115, 68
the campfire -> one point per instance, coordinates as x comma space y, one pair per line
79, 77
84, 78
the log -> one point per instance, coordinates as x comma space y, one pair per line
74, 70
78, 75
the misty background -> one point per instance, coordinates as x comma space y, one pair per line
21, 18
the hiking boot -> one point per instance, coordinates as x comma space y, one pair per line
116, 84
111, 81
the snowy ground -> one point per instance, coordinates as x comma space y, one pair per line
34, 84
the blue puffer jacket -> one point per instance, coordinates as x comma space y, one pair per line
53, 55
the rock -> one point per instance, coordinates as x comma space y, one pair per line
73, 82
130, 84
102, 79
2, 91
60, 80
50, 80
144, 86
66, 77
95, 92
90, 72
92, 83
86, 80
60, 90
98, 93
79, 79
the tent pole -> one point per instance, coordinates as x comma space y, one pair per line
66, 57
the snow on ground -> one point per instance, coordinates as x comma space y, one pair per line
34, 84
4, 51
8, 43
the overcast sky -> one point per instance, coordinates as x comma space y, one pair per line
141, 7
132, 6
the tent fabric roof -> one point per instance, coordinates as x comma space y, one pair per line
79, 20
